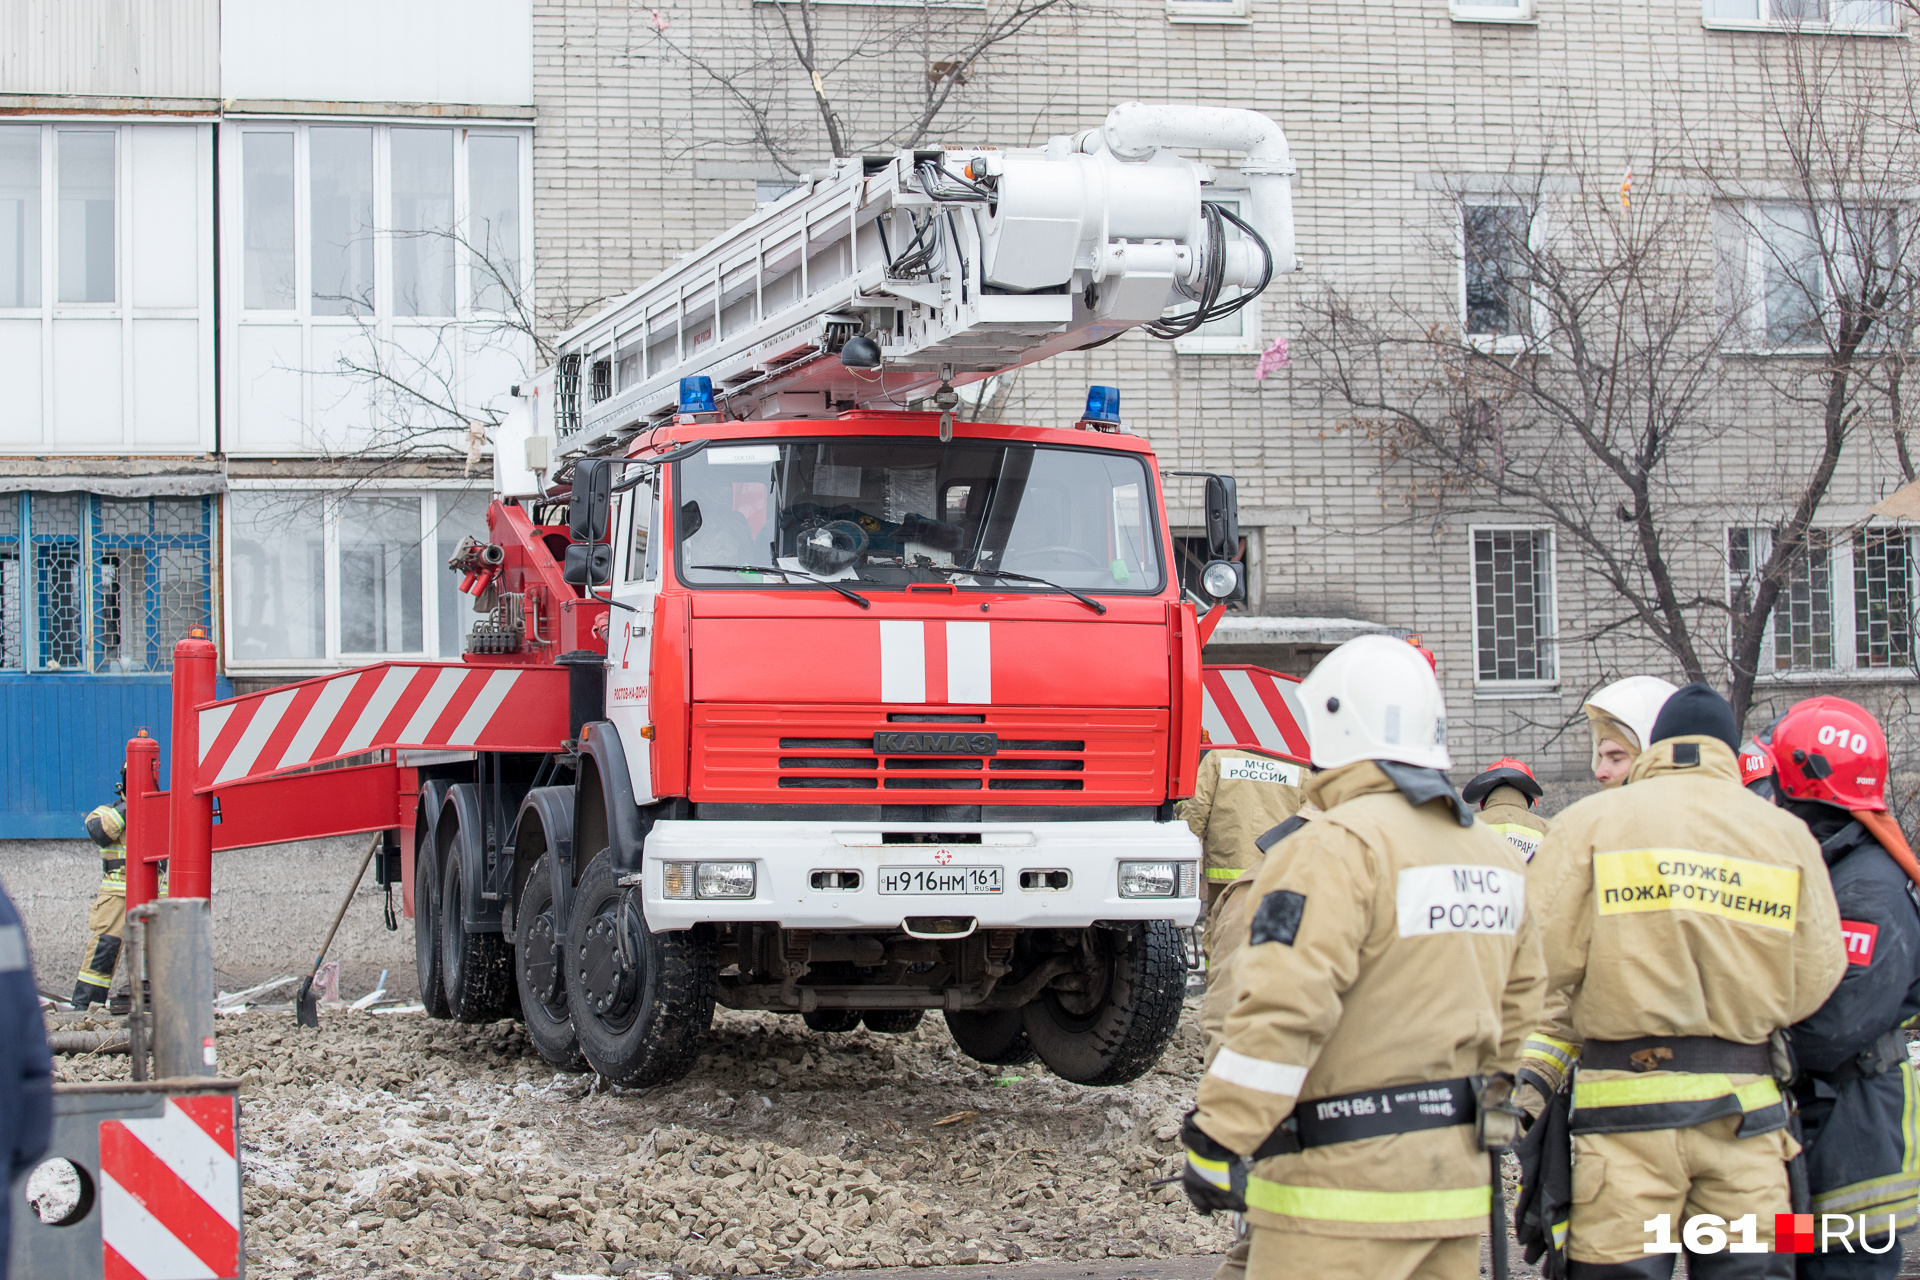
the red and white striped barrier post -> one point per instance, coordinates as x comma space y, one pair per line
146, 820
190, 830
170, 1193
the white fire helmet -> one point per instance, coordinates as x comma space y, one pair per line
1375, 698
1633, 703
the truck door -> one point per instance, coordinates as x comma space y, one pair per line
636, 584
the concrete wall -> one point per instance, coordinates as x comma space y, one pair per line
271, 908
1391, 109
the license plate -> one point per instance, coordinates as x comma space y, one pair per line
939, 882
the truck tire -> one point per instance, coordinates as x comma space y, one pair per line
997, 1037
641, 1007
539, 965
893, 1022
476, 969
1115, 1031
831, 1019
426, 926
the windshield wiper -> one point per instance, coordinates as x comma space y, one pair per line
1087, 600
789, 575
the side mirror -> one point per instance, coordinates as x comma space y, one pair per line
1223, 518
690, 519
590, 511
587, 564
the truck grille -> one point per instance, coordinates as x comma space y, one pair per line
1053, 756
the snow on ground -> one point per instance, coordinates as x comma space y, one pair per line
391, 1145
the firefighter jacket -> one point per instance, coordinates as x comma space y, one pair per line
107, 827
1682, 905
1856, 1088
1508, 813
1239, 795
1389, 946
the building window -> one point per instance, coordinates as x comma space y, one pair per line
85, 178
454, 248
320, 577
1776, 264
101, 585
20, 215
1848, 17
1494, 297
1491, 10
1846, 603
1190, 560
1882, 599
1237, 334
1513, 608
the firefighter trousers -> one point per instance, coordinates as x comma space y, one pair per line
1293, 1255
106, 925
1229, 920
1623, 1180
1233, 1263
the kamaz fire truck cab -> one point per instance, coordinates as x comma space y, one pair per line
871, 711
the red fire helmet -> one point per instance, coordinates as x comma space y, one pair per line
1832, 751
1755, 762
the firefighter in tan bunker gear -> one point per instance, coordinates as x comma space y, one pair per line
107, 918
1389, 973
1505, 792
1238, 794
1685, 921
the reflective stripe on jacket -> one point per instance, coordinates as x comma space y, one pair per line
1238, 796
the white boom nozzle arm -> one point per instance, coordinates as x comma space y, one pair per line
1135, 130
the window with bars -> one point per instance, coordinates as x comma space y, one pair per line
1882, 600
1513, 610
101, 585
1846, 602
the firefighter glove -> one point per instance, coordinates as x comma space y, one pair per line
1215, 1179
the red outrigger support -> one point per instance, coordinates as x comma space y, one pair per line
323, 757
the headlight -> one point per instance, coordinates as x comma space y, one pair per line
687, 880
1219, 580
1149, 879
723, 880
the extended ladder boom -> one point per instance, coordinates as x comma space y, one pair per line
955, 265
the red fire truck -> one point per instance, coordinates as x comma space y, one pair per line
794, 685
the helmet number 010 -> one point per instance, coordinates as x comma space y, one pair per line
1840, 736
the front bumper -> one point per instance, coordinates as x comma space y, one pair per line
787, 856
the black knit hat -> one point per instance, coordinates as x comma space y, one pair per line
1697, 709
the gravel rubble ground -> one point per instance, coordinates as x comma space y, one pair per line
392, 1145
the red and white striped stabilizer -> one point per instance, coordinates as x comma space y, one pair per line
443, 705
1253, 707
170, 1193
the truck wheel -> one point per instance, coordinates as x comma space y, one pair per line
476, 969
893, 1022
831, 1019
641, 1001
539, 955
1116, 1029
426, 927
997, 1037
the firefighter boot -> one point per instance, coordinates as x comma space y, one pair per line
85, 993
1283, 1255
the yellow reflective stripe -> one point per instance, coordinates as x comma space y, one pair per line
93, 979
1902, 1186
1336, 1204
1757, 1094
1516, 829
1225, 873
1559, 1232
1214, 1171
1547, 1049
1673, 1086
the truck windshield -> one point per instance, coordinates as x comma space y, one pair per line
893, 512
